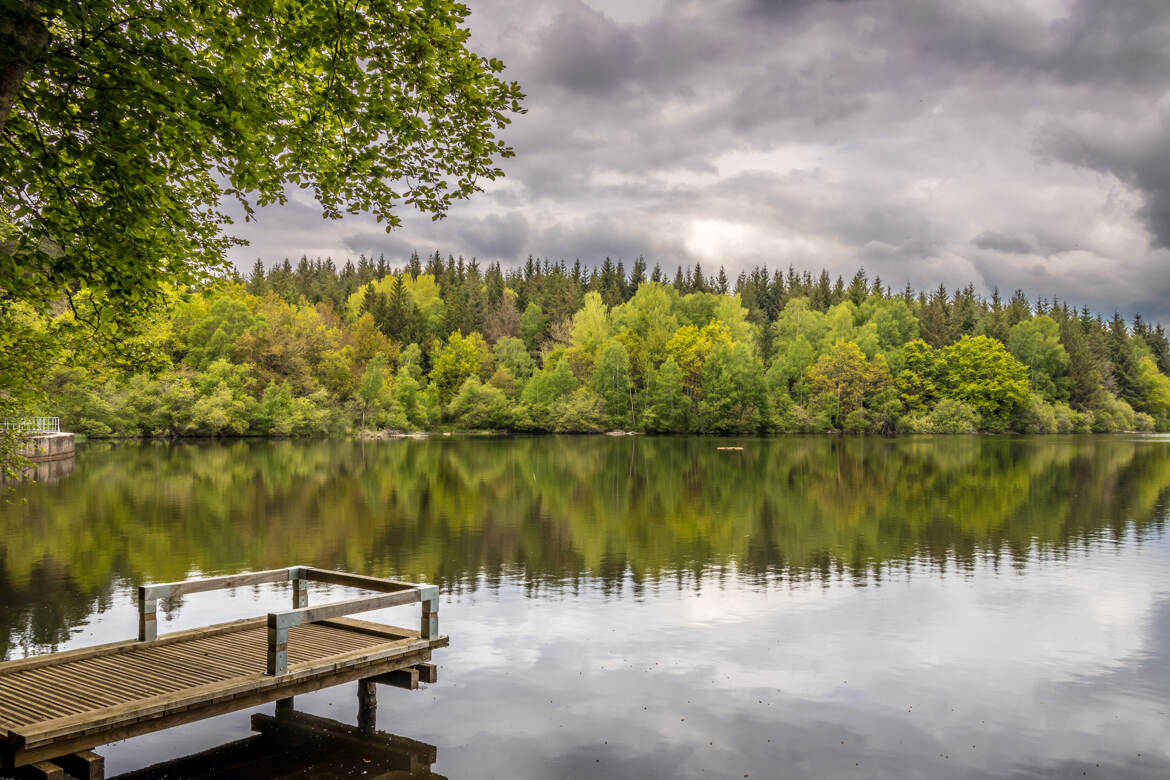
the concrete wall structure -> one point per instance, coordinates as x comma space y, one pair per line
47, 446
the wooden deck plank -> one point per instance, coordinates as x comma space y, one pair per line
7, 719
220, 662
108, 692
40, 704
39, 709
153, 671
172, 694
145, 726
179, 664
128, 645
128, 666
132, 672
184, 655
328, 645
238, 646
62, 703
51, 730
220, 668
36, 699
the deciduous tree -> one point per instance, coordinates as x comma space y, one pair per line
125, 124
981, 372
667, 404
1036, 344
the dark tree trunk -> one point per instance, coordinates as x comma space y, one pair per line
23, 39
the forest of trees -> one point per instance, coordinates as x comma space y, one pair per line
311, 349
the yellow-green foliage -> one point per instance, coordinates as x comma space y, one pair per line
590, 354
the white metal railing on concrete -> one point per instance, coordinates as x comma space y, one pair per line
33, 424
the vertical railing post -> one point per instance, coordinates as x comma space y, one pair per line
429, 594
277, 645
300, 592
147, 612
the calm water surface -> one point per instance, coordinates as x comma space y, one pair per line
644, 607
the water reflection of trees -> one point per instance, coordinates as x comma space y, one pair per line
558, 511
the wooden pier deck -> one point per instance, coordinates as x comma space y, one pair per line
61, 703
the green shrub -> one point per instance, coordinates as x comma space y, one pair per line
1113, 415
858, 422
914, 423
1068, 420
951, 416
477, 405
795, 418
1034, 415
581, 412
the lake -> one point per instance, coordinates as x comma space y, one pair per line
654, 607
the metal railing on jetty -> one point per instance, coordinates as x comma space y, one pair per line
33, 424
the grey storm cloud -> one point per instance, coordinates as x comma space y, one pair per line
492, 236
588, 54
998, 242
496, 235
1136, 153
1001, 143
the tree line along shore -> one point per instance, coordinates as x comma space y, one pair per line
312, 349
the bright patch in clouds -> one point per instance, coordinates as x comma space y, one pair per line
714, 239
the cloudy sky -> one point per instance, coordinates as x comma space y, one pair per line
1008, 143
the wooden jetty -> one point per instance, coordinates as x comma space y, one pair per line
54, 708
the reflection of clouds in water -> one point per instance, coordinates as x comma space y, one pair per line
645, 594
1047, 674
1043, 674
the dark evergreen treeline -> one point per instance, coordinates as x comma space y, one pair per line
473, 294
310, 347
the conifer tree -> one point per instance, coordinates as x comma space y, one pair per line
722, 286
698, 283
858, 287
838, 294
637, 277
1125, 364
822, 297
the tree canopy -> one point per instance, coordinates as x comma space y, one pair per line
311, 349
125, 126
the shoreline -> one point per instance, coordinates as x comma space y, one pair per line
391, 435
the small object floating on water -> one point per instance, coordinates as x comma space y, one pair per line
732, 449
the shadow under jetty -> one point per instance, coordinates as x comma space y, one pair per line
296, 744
